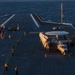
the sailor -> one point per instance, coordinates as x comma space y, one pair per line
2, 36
0, 31
18, 27
12, 52
3, 26
17, 42
9, 28
45, 55
16, 70
9, 36
6, 66
24, 33
13, 46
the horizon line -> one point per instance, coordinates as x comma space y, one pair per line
37, 1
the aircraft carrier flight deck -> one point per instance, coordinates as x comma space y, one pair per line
29, 55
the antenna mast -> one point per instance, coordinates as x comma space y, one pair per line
62, 16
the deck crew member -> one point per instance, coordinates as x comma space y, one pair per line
9, 36
16, 70
12, 52
18, 27
6, 66
13, 46
17, 42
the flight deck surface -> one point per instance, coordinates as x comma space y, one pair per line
29, 55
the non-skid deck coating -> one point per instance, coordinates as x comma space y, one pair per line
30, 57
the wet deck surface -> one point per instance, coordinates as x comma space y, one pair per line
30, 57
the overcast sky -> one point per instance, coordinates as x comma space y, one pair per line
32, 0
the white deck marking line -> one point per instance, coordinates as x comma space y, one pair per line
34, 20
3, 15
39, 18
42, 20
8, 19
72, 26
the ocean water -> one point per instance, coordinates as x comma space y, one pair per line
48, 10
